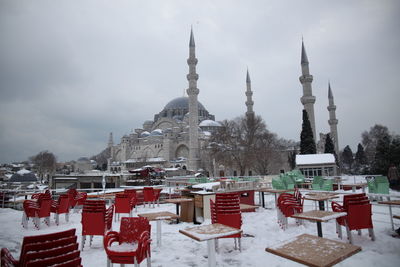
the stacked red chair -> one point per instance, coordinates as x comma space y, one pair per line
76, 199
56, 249
131, 245
149, 196
226, 210
37, 208
157, 194
123, 204
359, 215
96, 219
61, 206
288, 205
133, 197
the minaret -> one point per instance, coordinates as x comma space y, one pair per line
332, 120
307, 99
110, 140
192, 92
249, 94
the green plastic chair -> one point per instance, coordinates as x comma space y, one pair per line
371, 185
278, 183
327, 185
288, 181
382, 185
317, 183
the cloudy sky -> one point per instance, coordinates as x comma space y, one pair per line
73, 71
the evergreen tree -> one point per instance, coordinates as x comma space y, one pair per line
360, 155
307, 143
329, 147
347, 158
381, 163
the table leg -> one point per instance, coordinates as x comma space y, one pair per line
321, 205
211, 252
177, 212
391, 216
275, 200
353, 188
159, 233
319, 229
263, 199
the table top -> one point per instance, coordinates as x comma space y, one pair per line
319, 215
314, 251
355, 184
246, 207
321, 196
178, 200
162, 215
390, 202
270, 190
211, 231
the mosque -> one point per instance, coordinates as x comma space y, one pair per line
177, 134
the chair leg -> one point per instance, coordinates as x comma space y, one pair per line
67, 217
24, 220
359, 232
371, 233
135, 262
216, 245
91, 241
108, 262
148, 260
235, 243
240, 244
349, 236
83, 242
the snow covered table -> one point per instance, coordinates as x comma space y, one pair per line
390, 203
209, 233
272, 191
321, 197
159, 216
319, 216
314, 251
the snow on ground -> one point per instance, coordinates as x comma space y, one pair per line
260, 228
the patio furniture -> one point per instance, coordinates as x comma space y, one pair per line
149, 196
210, 233
158, 217
123, 204
317, 183
36, 249
76, 199
277, 183
187, 209
327, 185
314, 251
131, 245
390, 203
287, 206
96, 220
133, 197
61, 206
37, 209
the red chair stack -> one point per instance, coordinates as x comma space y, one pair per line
359, 215
288, 205
131, 245
132, 196
37, 208
61, 206
123, 204
56, 249
226, 210
76, 199
96, 219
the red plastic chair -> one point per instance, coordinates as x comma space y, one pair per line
288, 205
133, 197
131, 245
148, 195
60, 207
41, 246
157, 194
123, 204
37, 209
76, 199
96, 220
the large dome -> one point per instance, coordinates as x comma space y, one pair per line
180, 103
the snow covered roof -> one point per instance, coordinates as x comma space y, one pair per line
23, 171
310, 159
208, 123
144, 134
156, 132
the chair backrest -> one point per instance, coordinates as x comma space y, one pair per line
60, 259
359, 216
157, 193
347, 198
317, 182
122, 203
62, 204
45, 206
148, 193
93, 222
143, 250
327, 185
132, 227
277, 183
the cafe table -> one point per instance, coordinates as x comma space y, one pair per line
321, 197
319, 216
272, 191
186, 206
390, 203
314, 251
158, 217
209, 233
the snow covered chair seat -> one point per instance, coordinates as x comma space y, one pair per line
41, 246
131, 245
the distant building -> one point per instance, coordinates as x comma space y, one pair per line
312, 165
23, 176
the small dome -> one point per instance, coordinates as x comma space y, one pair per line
156, 132
209, 123
144, 134
83, 159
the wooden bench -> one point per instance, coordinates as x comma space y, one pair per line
48, 247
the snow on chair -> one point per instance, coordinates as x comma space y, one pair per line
96, 220
131, 245
61, 206
37, 209
38, 247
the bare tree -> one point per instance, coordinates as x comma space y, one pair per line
45, 164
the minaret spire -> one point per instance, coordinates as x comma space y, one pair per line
332, 119
249, 103
193, 91
110, 140
306, 79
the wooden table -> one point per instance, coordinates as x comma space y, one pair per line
314, 251
390, 203
209, 233
272, 191
319, 216
186, 207
158, 217
321, 197
246, 207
